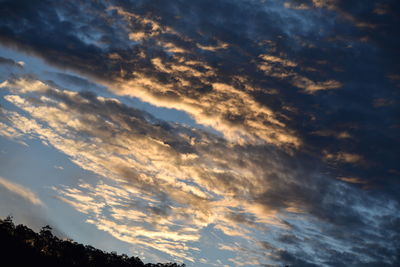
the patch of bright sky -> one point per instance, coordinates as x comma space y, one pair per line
33, 166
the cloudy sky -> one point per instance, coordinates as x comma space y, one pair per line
210, 132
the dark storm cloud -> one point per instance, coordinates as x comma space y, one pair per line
75, 81
311, 83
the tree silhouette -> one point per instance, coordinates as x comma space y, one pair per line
21, 246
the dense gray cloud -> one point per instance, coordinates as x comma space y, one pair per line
11, 63
79, 83
305, 93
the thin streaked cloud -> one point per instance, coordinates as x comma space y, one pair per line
21, 191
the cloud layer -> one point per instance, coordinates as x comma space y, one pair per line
164, 183
304, 94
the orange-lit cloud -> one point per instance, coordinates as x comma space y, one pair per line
301, 94
165, 184
282, 68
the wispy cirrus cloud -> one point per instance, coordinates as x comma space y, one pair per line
21, 191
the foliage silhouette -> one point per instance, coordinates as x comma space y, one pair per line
21, 246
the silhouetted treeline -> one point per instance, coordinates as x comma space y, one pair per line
20, 246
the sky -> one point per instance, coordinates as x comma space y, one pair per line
206, 132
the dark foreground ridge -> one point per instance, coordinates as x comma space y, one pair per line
21, 246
